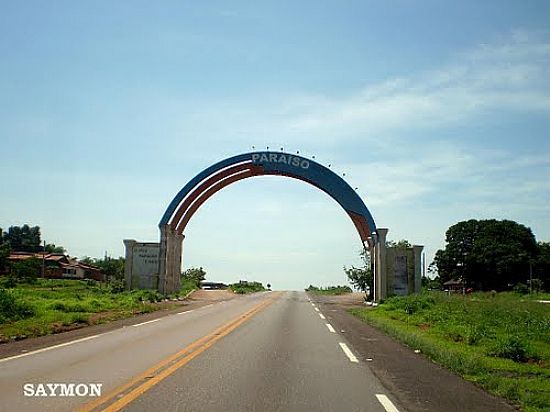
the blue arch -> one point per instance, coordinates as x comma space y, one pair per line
286, 164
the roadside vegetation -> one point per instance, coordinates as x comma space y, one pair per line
191, 280
499, 341
247, 287
47, 306
329, 290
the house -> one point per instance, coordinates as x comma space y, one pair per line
454, 285
60, 266
213, 285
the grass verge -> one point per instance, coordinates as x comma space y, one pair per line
499, 342
329, 290
51, 306
246, 287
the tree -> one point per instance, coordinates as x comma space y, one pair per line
487, 254
4, 254
23, 239
51, 248
26, 270
111, 267
194, 275
27, 239
401, 244
362, 278
542, 265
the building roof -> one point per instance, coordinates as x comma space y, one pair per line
454, 282
57, 258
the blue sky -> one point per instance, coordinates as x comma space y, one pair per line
437, 111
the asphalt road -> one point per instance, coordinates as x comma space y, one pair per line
265, 352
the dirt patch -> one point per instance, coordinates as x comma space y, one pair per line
348, 299
211, 295
424, 326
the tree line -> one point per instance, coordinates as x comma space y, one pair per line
493, 255
485, 254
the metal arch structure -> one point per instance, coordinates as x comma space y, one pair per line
214, 178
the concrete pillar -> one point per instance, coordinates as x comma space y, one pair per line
129, 257
417, 268
163, 253
171, 246
176, 266
380, 275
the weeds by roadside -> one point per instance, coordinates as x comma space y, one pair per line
51, 306
499, 341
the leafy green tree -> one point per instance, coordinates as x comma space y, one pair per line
362, 278
487, 254
4, 254
23, 238
542, 265
26, 270
429, 283
51, 248
400, 244
193, 275
113, 268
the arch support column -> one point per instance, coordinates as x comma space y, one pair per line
380, 266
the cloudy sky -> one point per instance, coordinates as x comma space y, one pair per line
437, 111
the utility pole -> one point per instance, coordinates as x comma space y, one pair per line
44, 260
530, 276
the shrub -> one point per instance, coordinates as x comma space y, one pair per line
116, 286
26, 270
13, 309
521, 288
511, 347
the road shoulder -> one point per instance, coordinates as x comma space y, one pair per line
412, 378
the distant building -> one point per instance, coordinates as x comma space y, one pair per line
60, 266
213, 285
454, 285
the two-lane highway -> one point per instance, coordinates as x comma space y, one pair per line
264, 352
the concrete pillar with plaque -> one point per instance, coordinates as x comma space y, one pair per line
141, 264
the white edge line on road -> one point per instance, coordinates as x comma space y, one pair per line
348, 353
386, 403
185, 311
144, 323
316, 309
330, 328
50, 347
322, 316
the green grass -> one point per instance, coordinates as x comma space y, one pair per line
329, 290
249, 287
50, 306
501, 342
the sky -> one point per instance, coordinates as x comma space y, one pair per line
436, 111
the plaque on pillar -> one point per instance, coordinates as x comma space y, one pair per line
142, 264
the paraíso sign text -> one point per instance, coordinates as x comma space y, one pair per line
280, 158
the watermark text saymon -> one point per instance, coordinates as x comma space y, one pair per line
62, 389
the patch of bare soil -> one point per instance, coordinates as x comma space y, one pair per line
211, 295
349, 299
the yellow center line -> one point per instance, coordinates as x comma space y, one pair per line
166, 367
